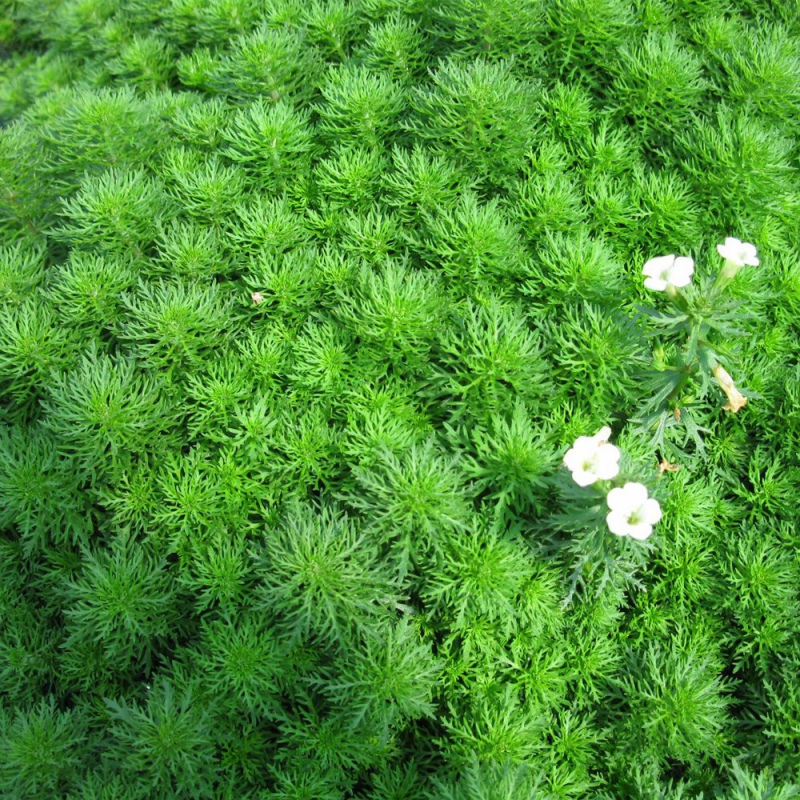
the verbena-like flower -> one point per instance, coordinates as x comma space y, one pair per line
664, 272
592, 458
632, 513
738, 254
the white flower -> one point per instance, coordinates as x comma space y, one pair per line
592, 458
632, 512
668, 271
738, 253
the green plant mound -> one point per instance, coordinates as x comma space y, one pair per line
302, 305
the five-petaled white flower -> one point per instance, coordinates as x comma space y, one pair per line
664, 272
632, 512
592, 458
737, 253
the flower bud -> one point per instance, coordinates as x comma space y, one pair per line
736, 399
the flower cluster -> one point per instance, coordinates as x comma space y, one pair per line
631, 512
668, 273
593, 459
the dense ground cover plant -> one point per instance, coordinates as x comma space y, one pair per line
399, 400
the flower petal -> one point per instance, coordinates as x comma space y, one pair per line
603, 435
681, 273
572, 459
656, 284
657, 266
652, 511
619, 502
637, 493
617, 523
606, 470
640, 531
584, 478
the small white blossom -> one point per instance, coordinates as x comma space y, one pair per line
632, 512
664, 272
738, 253
592, 458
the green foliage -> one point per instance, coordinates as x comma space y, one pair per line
758, 785
421, 183
102, 411
104, 128
660, 82
397, 308
21, 272
569, 269
273, 141
391, 680
473, 241
359, 106
271, 62
31, 345
164, 741
40, 494
584, 33
123, 600
676, 704
480, 113
302, 307
491, 782
40, 750
396, 46
750, 163
86, 290
322, 573
760, 71
414, 498
480, 578
145, 62
173, 323
241, 662
510, 462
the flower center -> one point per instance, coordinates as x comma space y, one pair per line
590, 463
636, 517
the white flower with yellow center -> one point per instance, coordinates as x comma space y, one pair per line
592, 458
632, 513
666, 273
